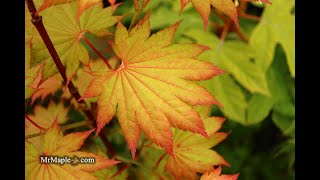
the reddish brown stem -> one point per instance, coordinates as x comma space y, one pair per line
37, 22
96, 51
35, 124
225, 30
140, 149
221, 16
242, 7
240, 34
159, 160
123, 168
249, 16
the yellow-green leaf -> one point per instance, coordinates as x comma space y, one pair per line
154, 88
66, 32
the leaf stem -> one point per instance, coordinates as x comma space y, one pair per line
96, 51
37, 22
135, 16
129, 161
35, 124
34, 135
123, 168
240, 34
63, 127
225, 30
159, 160
249, 16
74, 125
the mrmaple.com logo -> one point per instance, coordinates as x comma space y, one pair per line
66, 160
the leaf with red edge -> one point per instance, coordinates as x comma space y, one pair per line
55, 144
66, 32
154, 88
225, 6
43, 117
48, 87
203, 8
215, 175
48, 3
193, 153
85, 4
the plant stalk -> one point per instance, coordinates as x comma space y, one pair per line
37, 22
96, 51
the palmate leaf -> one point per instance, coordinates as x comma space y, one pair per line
48, 87
154, 86
192, 152
66, 31
203, 8
43, 117
55, 144
82, 4
236, 58
277, 25
225, 6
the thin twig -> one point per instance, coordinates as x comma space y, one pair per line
37, 22
249, 16
35, 124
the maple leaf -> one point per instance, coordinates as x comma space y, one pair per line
55, 144
48, 3
192, 152
277, 25
85, 4
154, 86
43, 117
48, 87
215, 175
203, 8
66, 31
82, 4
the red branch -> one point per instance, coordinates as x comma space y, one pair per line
37, 22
